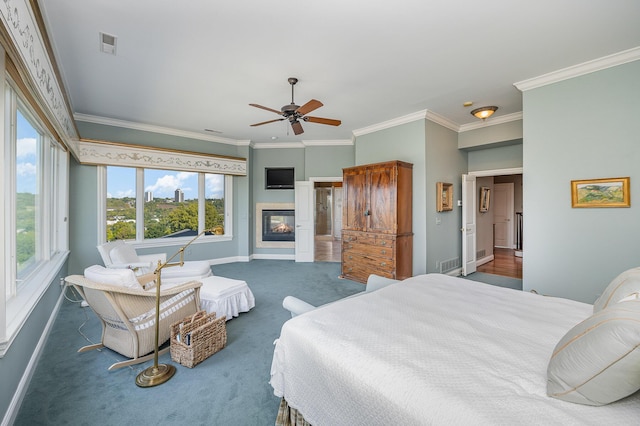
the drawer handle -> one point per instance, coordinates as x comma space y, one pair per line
350, 257
383, 243
383, 252
383, 264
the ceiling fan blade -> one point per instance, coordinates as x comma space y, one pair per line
267, 108
267, 122
329, 121
309, 106
297, 127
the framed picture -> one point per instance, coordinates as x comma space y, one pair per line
610, 192
485, 198
444, 197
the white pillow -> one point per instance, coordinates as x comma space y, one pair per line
123, 253
121, 277
623, 287
598, 361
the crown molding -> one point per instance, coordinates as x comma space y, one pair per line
276, 145
155, 129
337, 142
491, 121
420, 115
445, 122
605, 62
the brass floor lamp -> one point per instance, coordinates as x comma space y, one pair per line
157, 374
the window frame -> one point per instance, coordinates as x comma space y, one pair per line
140, 241
17, 301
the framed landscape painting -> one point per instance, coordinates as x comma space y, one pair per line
610, 192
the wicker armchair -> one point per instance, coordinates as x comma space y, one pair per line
128, 315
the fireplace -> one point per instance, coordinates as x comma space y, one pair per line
278, 225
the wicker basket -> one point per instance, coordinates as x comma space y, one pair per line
197, 337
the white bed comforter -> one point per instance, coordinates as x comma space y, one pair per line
433, 350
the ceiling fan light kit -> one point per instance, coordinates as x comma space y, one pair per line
484, 112
295, 113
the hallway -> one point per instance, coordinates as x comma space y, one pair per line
505, 263
327, 249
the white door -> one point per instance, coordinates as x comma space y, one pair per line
468, 224
337, 213
503, 215
304, 204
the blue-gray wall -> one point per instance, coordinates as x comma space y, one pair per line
582, 128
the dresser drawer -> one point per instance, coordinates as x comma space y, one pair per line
360, 272
358, 249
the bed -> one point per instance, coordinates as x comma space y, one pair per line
436, 350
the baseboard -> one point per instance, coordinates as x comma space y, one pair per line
231, 259
484, 260
274, 256
23, 385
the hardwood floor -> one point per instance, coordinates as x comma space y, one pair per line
505, 263
327, 249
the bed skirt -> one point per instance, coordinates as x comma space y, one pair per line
288, 416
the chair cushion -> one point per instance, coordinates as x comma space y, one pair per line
598, 361
123, 253
120, 277
624, 287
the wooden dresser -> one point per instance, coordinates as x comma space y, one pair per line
377, 236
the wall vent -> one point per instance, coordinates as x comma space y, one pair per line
108, 43
481, 253
449, 265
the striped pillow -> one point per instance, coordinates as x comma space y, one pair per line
598, 361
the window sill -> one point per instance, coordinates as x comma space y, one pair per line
167, 242
20, 307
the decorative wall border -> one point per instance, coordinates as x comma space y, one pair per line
113, 154
23, 29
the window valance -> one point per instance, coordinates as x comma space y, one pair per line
124, 155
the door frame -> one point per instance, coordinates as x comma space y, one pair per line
313, 180
488, 173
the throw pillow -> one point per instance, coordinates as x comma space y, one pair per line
120, 277
598, 361
123, 254
623, 287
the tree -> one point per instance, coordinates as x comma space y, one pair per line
121, 231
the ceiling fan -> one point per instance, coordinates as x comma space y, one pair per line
295, 113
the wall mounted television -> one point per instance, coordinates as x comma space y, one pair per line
279, 178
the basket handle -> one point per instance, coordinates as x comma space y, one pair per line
197, 315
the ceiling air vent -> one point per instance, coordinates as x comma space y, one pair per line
108, 43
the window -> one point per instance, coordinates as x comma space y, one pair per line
34, 227
151, 204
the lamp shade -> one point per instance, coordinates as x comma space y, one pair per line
484, 112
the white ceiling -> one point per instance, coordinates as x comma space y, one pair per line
198, 64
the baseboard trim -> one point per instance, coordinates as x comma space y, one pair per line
274, 256
23, 385
484, 260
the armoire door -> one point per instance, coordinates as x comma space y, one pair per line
354, 200
382, 200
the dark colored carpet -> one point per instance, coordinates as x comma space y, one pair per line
229, 388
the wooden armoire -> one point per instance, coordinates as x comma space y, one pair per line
377, 235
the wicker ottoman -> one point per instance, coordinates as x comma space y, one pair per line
225, 296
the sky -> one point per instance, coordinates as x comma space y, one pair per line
162, 183
26, 162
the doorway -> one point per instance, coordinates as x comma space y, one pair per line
497, 243
328, 221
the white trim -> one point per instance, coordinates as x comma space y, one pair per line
445, 122
276, 145
156, 129
23, 385
337, 142
497, 172
274, 256
145, 157
409, 118
484, 260
605, 62
493, 121
232, 259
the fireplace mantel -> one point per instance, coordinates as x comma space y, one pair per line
271, 244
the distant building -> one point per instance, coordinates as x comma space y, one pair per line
148, 196
179, 196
